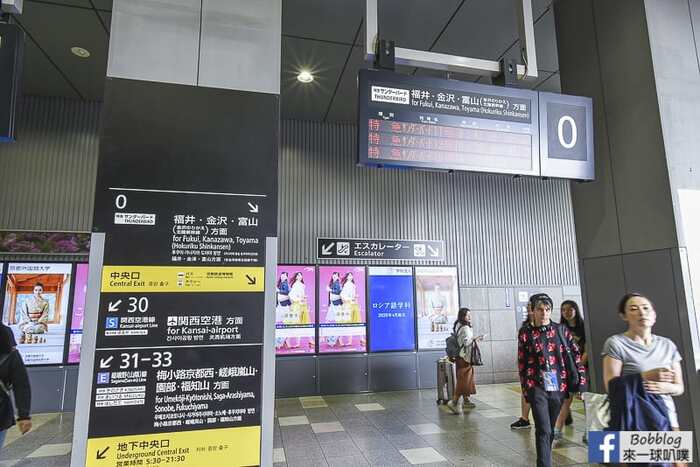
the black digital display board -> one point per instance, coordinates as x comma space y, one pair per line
431, 123
445, 124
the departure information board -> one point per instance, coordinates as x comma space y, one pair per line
409, 121
445, 124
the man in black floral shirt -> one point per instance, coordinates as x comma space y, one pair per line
549, 363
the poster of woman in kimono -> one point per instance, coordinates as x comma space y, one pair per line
36, 309
437, 303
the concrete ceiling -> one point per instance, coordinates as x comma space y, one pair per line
324, 35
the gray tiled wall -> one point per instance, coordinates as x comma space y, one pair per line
504, 325
495, 313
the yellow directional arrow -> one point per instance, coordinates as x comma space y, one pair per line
182, 279
221, 447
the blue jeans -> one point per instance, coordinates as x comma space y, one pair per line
2, 437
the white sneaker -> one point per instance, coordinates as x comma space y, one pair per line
454, 407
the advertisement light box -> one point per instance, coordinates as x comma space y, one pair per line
437, 304
342, 313
391, 309
75, 336
36, 309
295, 311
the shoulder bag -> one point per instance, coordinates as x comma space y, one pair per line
476, 359
597, 411
569, 362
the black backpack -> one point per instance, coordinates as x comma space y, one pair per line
452, 346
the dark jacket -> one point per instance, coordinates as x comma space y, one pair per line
550, 346
633, 409
10, 335
14, 376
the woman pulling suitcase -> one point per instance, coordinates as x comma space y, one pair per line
465, 386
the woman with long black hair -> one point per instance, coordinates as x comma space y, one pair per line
283, 302
572, 318
465, 386
335, 302
639, 353
13, 378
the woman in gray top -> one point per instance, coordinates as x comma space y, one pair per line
637, 350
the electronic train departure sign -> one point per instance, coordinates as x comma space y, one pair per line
430, 123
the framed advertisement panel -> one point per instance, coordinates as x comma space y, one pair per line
2, 284
437, 304
391, 308
342, 309
295, 309
75, 334
36, 306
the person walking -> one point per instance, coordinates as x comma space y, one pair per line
573, 320
10, 335
549, 364
524, 420
637, 353
14, 378
465, 386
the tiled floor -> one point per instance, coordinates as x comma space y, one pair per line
409, 428
48, 444
384, 429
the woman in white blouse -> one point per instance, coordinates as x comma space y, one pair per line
465, 386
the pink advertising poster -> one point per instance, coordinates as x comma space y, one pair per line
342, 314
76, 326
295, 313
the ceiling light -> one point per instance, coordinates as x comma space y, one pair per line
305, 76
80, 52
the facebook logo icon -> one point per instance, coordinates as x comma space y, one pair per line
603, 447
